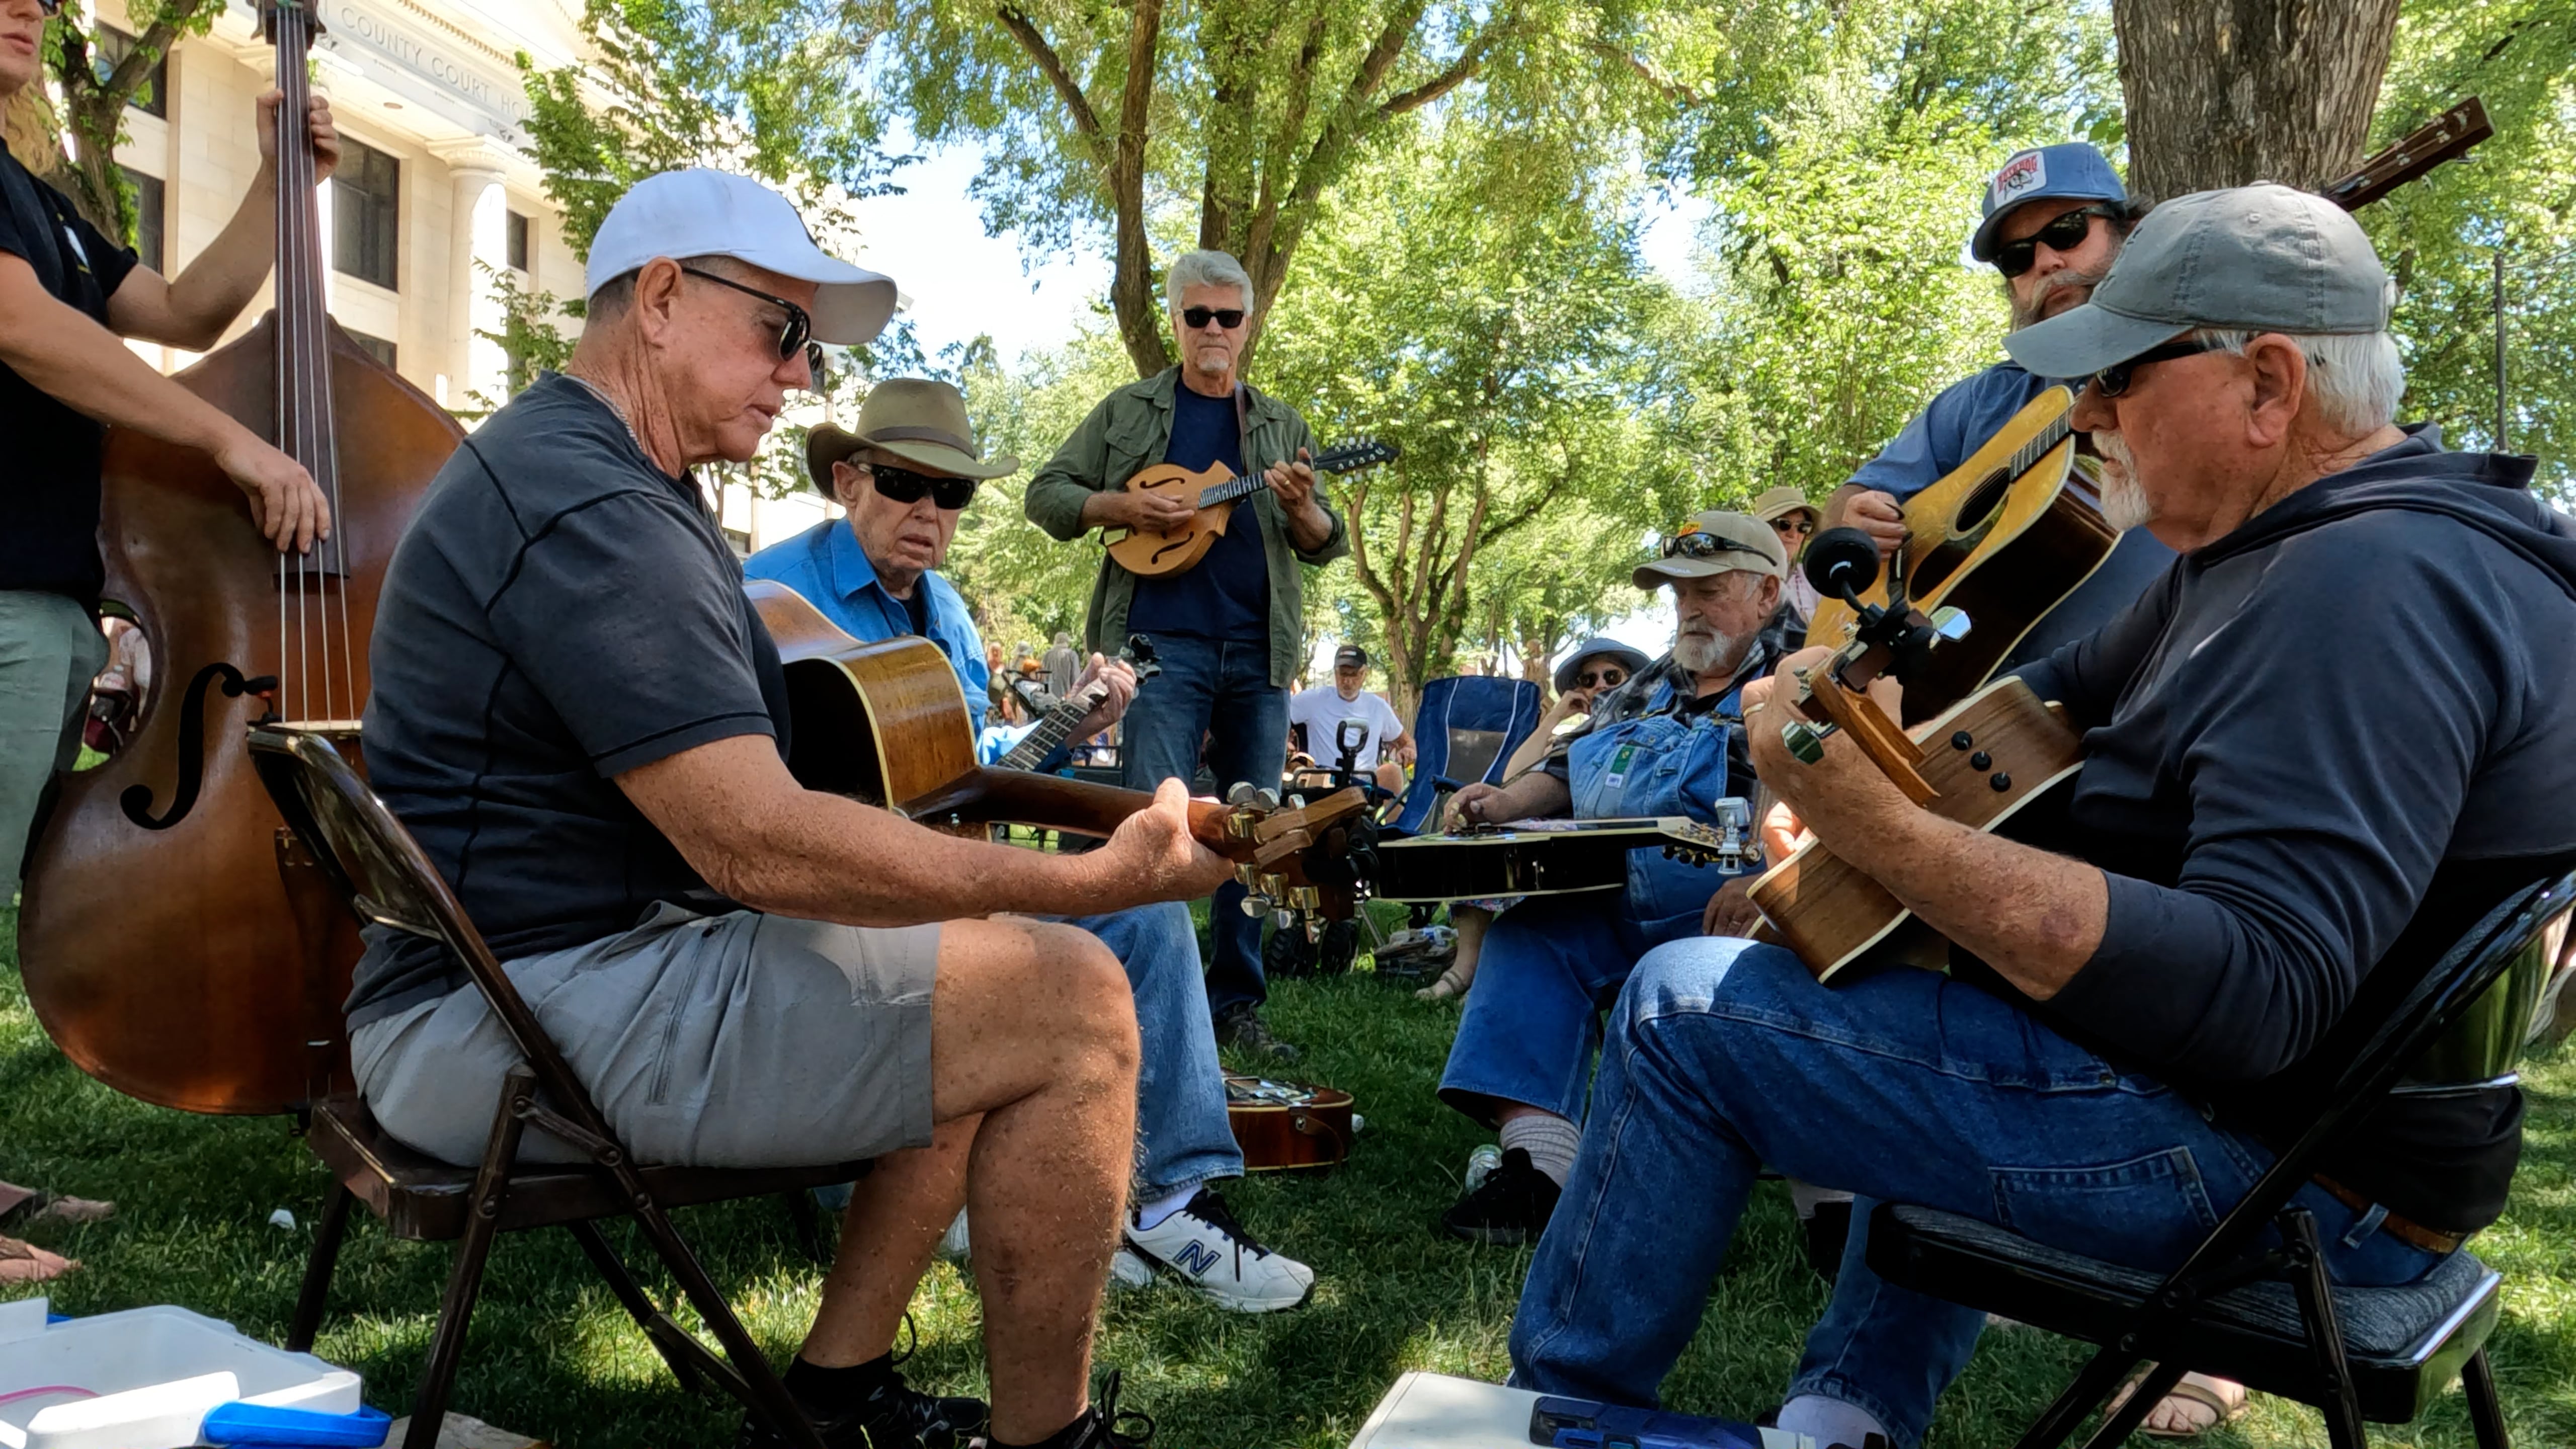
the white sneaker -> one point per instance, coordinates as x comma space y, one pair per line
1126, 1270
1205, 1247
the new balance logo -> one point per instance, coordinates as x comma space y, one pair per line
1195, 1259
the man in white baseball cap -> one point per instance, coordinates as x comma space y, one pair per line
581, 717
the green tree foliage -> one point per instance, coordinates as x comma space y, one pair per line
76, 151
2516, 192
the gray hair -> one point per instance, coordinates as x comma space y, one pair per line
615, 295
2355, 377
1206, 269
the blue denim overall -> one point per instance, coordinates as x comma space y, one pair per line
1552, 964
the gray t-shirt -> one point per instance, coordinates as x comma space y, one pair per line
560, 611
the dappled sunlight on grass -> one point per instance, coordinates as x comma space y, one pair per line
553, 1354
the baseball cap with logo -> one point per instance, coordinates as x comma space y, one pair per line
2262, 258
1350, 655
1716, 542
705, 213
2068, 171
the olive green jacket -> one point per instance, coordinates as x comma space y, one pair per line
1130, 430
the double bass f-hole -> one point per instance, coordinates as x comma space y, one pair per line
137, 799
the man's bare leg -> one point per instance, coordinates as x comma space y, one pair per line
1033, 1079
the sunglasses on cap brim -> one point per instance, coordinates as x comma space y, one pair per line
1707, 546
794, 336
906, 486
2064, 234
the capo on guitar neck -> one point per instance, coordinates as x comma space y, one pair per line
1891, 640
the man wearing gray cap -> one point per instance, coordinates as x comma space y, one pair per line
1668, 741
2340, 729
581, 718
2054, 219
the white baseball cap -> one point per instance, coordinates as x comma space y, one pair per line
705, 213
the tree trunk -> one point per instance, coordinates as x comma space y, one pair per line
2230, 92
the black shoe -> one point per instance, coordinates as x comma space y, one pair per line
1827, 1229
1511, 1207
896, 1416
1105, 1426
1241, 1028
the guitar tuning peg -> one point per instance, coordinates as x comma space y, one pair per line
1256, 906
1265, 799
1245, 794
1805, 741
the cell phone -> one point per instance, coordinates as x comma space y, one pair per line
1585, 1424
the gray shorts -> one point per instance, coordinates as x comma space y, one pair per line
741, 1040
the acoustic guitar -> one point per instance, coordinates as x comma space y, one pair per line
1213, 491
887, 723
2009, 533
1288, 1127
1052, 731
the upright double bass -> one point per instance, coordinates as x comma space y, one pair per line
176, 942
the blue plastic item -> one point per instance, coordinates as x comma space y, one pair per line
257, 1426
1464, 732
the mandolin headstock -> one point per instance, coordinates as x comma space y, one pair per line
1311, 859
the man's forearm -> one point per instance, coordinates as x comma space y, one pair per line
827, 858
82, 365
1310, 527
212, 290
1533, 796
2036, 918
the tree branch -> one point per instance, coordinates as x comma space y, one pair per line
1663, 85
1025, 31
1469, 59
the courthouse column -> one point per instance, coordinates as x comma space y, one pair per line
478, 233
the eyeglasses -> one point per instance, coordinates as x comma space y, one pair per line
2064, 234
1600, 678
2114, 380
1707, 545
797, 335
904, 485
1228, 318
1798, 526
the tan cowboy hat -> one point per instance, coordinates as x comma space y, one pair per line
1784, 499
920, 421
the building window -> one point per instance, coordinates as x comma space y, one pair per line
740, 538
108, 49
147, 221
518, 253
375, 347
366, 213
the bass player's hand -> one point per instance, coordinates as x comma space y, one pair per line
1153, 856
286, 505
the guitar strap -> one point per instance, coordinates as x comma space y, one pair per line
1243, 430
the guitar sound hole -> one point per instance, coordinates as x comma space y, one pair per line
1977, 510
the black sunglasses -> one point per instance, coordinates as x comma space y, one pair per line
2064, 234
1707, 545
796, 336
1228, 318
2114, 380
904, 485
1605, 678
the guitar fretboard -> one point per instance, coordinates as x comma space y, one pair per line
2027, 456
1041, 742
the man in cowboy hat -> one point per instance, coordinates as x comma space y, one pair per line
906, 475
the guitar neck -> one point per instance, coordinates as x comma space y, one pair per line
997, 796
1234, 488
1041, 742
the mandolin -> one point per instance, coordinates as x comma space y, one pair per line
887, 723
1213, 491
1052, 731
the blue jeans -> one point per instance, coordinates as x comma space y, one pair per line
1220, 689
1182, 1136
1547, 968
1904, 1086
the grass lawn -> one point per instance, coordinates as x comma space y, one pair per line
552, 1355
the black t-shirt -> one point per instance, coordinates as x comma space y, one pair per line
1228, 595
559, 611
49, 471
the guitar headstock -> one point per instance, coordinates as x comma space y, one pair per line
1311, 859
1356, 454
1139, 655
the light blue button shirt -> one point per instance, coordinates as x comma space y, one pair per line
827, 566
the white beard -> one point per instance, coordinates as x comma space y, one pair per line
2124, 499
1700, 653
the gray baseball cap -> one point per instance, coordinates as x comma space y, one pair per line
2261, 258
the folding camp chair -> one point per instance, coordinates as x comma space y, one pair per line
1464, 732
2265, 1313
388, 881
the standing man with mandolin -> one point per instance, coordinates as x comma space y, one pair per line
67, 295
905, 477
2054, 220
1230, 631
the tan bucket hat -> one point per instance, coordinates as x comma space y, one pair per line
1785, 499
920, 421
1726, 543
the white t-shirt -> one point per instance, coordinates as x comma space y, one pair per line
1322, 709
